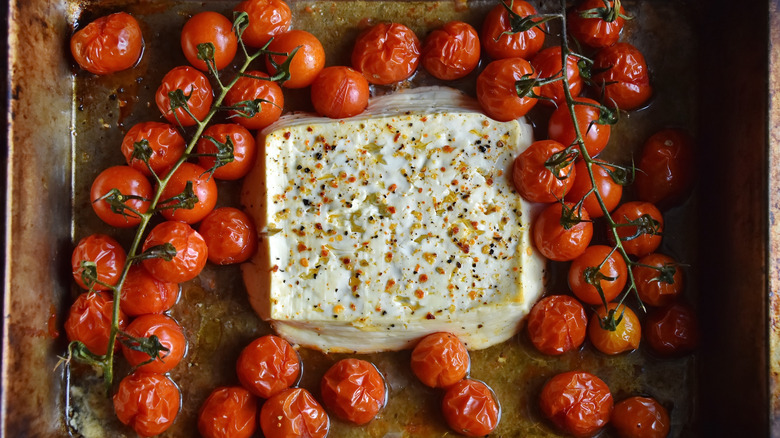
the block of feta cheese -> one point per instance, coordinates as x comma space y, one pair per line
379, 229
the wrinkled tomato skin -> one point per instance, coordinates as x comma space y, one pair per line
652, 290
129, 182
559, 244
147, 402
610, 191
595, 136
595, 32
166, 143
557, 324
209, 27
470, 408
230, 236
339, 92
614, 267
672, 330
89, 321
228, 412
293, 413
354, 390
666, 168
547, 64
645, 243
268, 366
170, 335
142, 293
204, 187
623, 75
267, 18
519, 45
248, 89
625, 337
497, 93
386, 53
193, 84
109, 44
108, 256
640, 417
534, 181
191, 252
578, 403
307, 63
451, 52
440, 360
244, 150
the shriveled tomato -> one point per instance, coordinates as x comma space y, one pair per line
626, 334
107, 255
556, 324
266, 19
548, 64
672, 330
244, 150
191, 252
535, 181
130, 187
501, 40
89, 321
599, 264
597, 23
386, 53
209, 27
658, 278
268, 366
665, 171
203, 186
471, 408
165, 143
168, 333
230, 235
109, 44
577, 402
558, 235
439, 360
142, 293
339, 92
641, 417
594, 131
644, 236
196, 94
354, 390
610, 190
497, 92
622, 72
228, 412
293, 413
147, 402
267, 94
451, 52
306, 64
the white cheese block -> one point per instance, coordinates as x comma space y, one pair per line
382, 228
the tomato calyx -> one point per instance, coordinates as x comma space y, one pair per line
187, 199
282, 70
89, 275
608, 13
149, 345
560, 163
645, 225
610, 322
117, 201
166, 251
571, 216
520, 24
224, 154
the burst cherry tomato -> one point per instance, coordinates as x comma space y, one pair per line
534, 181
143, 294
595, 135
557, 242
557, 324
354, 390
191, 252
339, 92
672, 330
108, 44
307, 62
666, 167
439, 360
497, 93
228, 412
244, 150
293, 413
266, 19
107, 254
89, 321
610, 191
196, 90
577, 402
626, 335
658, 287
547, 64
209, 27
268, 366
166, 144
501, 41
130, 183
471, 408
451, 52
644, 239
597, 23
230, 236
250, 89
584, 272
622, 72
170, 335
147, 402
386, 53
204, 187
640, 417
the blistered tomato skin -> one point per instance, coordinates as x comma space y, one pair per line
193, 84
142, 293
672, 330
354, 390
109, 44
451, 52
587, 112
578, 403
498, 39
293, 413
623, 75
266, 19
250, 88
625, 337
166, 143
89, 321
654, 286
547, 64
209, 27
557, 324
497, 92
268, 366
129, 182
610, 191
386, 53
640, 417
587, 264
169, 334
191, 252
107, 254
470, 408
554, 241
639, 241
230, 236
307, 63
666, 168
339, 92
534, 181
440, 360
228, 412
147, 402
595, 31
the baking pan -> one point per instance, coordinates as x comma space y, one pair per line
731, 231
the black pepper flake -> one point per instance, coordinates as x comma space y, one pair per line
384, 312
299, 167
318, 155
306, 202
306, 170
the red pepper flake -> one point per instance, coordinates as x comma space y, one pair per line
352, 179
447, 149
391, 209
430, 316
454, 182
275, 268
489, 181
324, 252
287, 135
424, 119
393, 188
390, 284
305, 262
419, 293
397, 136
301, 247
473, 295
389, 257
423, 278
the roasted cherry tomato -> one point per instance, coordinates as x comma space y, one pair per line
191, 252
168, 333
439, 360
558, 242
268, 366
89, 321
386, 53
597, 23
547, 64
230, 236
584, 274
354, 390
672, 330
451, 52
306, 64
204, 187
196, 90
594, 131
228, 412
108, 44
626, 334
209, 27
640, 417
339, 92
535, 181
661, 286
266, 19
645, 238
497, 93
133, 188
610, 190
165, 142
471, 408
500, 40
244, 150
143, 294
577, 402
147, 402
250, 88
557, 324
107, 254
293, 413
622, 72
666, 167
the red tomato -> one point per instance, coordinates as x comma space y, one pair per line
577, 402
584, 271
230, 236
626, 335
268, 366
204, 187
594, 135
658, 287
622, 72
501, 41
534, 181
547, 64
191, 252
266, 19
439, 360
166, 144
386, 53
666, 167
471, 408
109, 44
107, 254
209, 27
130, 183
196, 89
143, 294
293, 413
596, 23
354, 390
149, 403
555, 241
250, 89
497, 93
672, 330
339, 92
643, 240
170, 335
306, 64
228, 412
610, 191
557, 324
451, 52
244, 150
640, 417
89, 321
